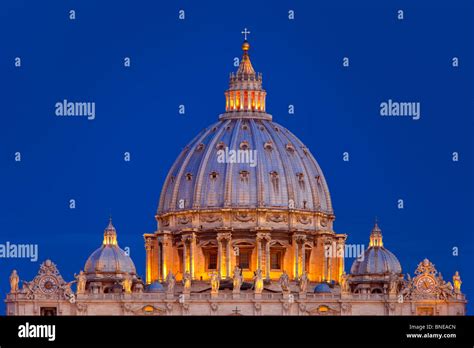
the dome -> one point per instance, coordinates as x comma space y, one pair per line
155, 287
322, 288
109, 258
245, 168
205, 176
245, 160
377, 259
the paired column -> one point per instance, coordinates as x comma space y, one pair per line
149, 257
219, 257
300, 254
267, 258
188, 253
328, 251
340, 258
159, 259
303, 258
263, 237
224, 240
297, 261
162, 243
185, 255
227, 258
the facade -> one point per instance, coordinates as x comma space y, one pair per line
244, 226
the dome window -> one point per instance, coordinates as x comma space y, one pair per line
290, 148
244, 176
189, 177
220, 145
245, 127
268, 146
274, 178
318, 179
244, 145
200, 147
301, 180
214, 175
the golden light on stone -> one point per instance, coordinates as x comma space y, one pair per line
148, 309
268, 227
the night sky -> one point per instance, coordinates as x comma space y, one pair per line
186, 62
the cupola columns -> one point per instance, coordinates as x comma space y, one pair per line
376, 236
245, 91
110, 234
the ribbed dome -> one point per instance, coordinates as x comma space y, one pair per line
285, 170
322, 288
109, 258
376, 259
155, 287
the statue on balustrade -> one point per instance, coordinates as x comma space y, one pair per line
237, 283
285, 282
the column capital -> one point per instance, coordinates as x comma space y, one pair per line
299, 237
223, 236
341, 238
263, 236
188, 237
262, 229
149, 242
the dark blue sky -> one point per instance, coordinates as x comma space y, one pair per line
187, 62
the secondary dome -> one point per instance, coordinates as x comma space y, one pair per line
376, 259
322, 288
245, 160
109, 258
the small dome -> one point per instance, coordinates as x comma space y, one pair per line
322, 288
155, 287
109, 258
376, 259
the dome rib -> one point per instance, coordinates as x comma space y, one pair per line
256, 144
324, 186
286, 166
230, 166
174, 169
282, 168
183, 168
311, 174
302, 164
203, 166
